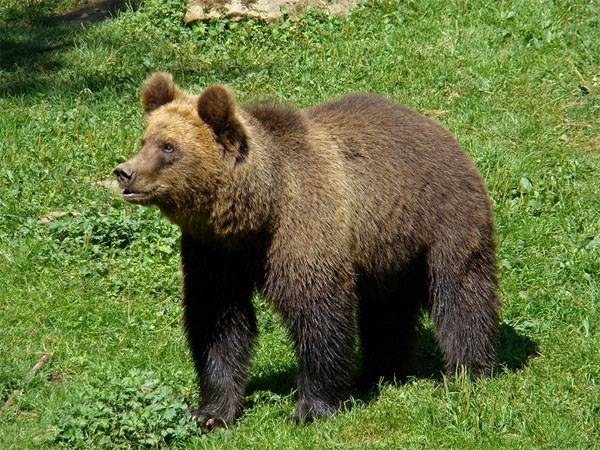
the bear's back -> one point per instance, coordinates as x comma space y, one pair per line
411, 182
372, 127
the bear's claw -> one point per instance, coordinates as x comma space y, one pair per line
207, 422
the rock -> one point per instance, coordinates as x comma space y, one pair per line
261, 9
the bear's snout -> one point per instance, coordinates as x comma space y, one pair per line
124, 175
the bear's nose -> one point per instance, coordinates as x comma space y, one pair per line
124, 175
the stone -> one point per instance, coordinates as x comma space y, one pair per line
262, 9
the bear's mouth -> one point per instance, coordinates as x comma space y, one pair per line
136, 196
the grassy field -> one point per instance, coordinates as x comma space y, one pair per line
517, 82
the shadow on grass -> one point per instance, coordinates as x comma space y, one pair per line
36, 54
280, 383
29, 38
513, 352
33, 42
31, 35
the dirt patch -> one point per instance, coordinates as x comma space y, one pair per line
95, 11
262, 9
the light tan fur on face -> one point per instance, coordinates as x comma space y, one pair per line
202, 184
193, 176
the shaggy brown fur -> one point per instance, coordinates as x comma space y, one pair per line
349, 216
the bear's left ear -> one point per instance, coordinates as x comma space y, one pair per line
216, 107
158, 90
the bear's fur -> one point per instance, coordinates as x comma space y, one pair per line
350, 216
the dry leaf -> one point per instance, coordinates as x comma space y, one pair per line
55, 215
439, 113
595, 144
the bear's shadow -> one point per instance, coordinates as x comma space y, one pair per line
513, 352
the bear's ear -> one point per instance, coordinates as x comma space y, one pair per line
216, 107
158, 90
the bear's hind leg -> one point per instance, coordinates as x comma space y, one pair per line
465, 308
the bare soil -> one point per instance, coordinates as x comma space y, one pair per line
95, 11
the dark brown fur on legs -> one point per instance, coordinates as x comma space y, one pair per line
388, 314
465, 331
220, 325
356, 208
318, 310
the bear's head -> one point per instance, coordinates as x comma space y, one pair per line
191, 145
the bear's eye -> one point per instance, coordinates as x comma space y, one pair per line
167, 148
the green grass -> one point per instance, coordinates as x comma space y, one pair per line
519, 84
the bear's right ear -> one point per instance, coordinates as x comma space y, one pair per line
158, 90
216, 107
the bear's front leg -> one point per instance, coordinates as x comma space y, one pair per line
220, 339
318, 311
220, 325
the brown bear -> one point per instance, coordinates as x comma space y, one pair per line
350, 217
